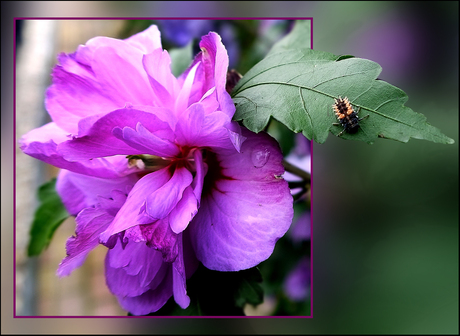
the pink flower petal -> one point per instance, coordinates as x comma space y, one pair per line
234, 131
183, 97
131, 270
121, 78
184, 211
125, 218
189, 125
77, 91
99, 140
151, 300
79, 191
215, 59
161, 201
159, 236
158, 68
42, 143
245, 208
147, 40
179, 278
146, 142
214, 133
90, 222
201, 169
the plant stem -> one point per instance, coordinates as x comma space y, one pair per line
297, 171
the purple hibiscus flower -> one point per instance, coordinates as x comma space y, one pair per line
153, 167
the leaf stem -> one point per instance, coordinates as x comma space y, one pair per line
289, 167
304, 184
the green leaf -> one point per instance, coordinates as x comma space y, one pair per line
49, 215
299, 37
297, 86
248, 289
181, 58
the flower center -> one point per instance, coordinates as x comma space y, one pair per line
149, 162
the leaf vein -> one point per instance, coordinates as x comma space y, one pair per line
305, 107
328, 95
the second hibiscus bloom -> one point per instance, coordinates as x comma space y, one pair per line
154, 168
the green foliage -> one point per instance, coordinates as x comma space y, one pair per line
299, 37
181, 58
49, 215
297, 86
254, 41
214, 293
132, 27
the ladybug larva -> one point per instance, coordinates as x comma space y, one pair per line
347, 116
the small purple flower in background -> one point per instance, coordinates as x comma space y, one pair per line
181, 32
301, 228
153, 167
298, 281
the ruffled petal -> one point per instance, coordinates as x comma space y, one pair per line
130, 49
183, 97
152, 299
126, 217
73, 96
79, 191
211, 73
245, 208
103, 137
147, 40
159, 236
159, 203
184, 211
215, 59
189, 125
76, 91
179, 278
42, 143
214, 133
190, 261
122, 79
142, 293
201, 169
148, 288
90, 222
50, 132
85, 53
235, 134
209, 101
130, 270
157, 65
146, 142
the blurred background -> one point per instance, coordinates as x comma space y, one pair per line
384, 216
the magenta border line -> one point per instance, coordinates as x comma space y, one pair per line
14, 169
311, 199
